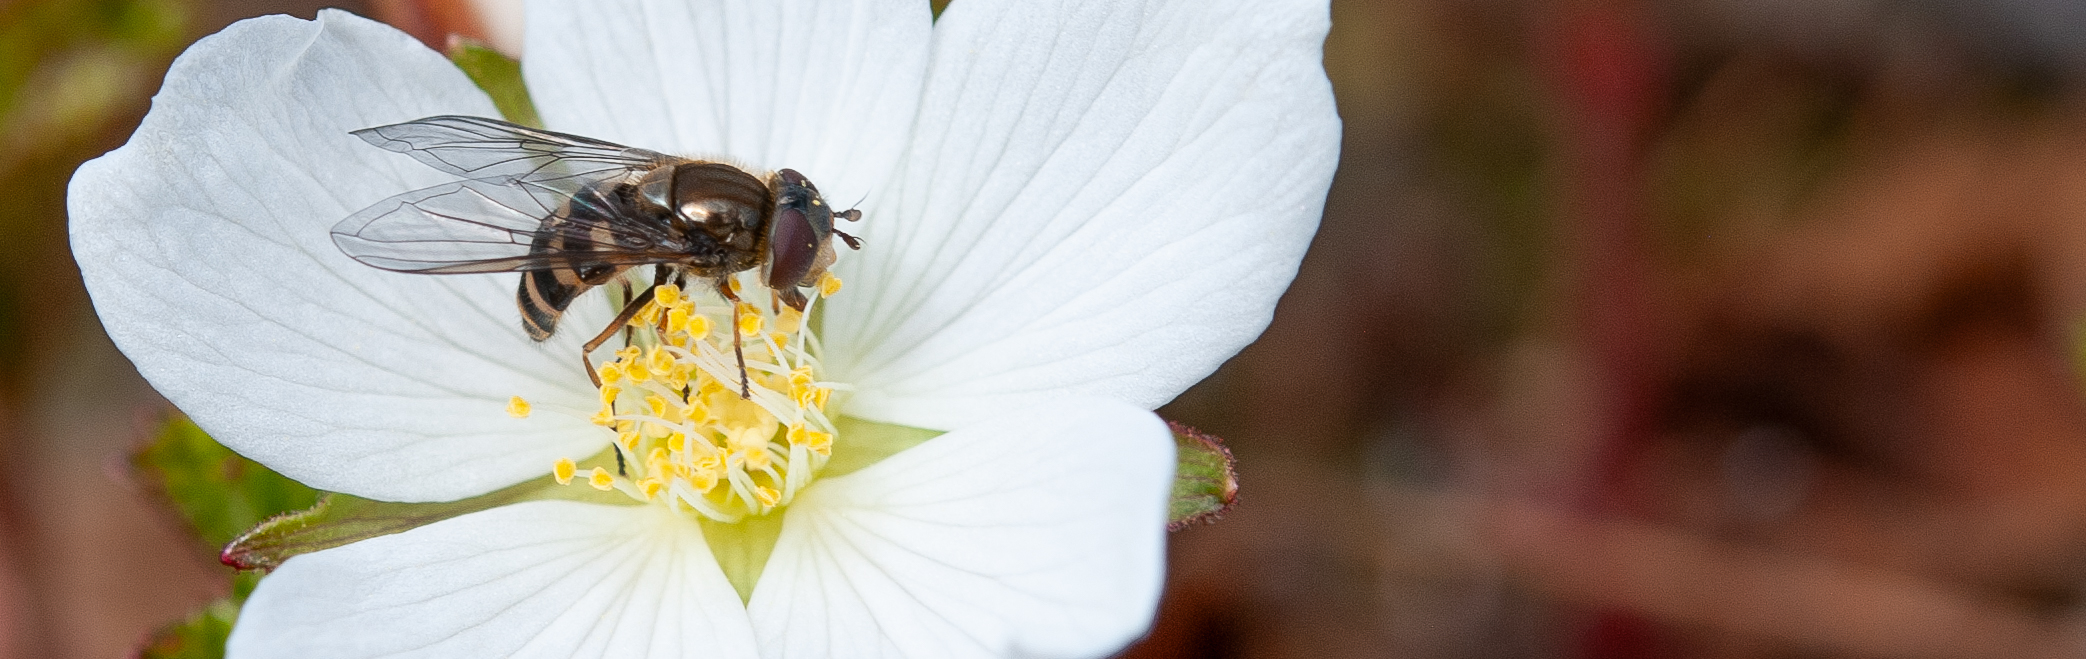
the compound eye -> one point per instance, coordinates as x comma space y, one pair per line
792, 248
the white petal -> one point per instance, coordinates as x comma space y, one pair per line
1102, 197
540, 579
1042, 534
204, 244
827, 87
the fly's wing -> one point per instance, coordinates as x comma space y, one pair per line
501, 225
480, 148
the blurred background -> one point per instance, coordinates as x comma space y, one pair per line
1697, 328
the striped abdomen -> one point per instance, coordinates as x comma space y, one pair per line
545, 294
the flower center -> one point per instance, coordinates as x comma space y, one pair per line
687, 435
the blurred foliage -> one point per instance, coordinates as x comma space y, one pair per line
501, 78
70, 72
220, 494
201, 636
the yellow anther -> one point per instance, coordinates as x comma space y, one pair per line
767, 496
702, 480
677, 320
630, 353
708, 464
605, 417
667, 294
627, 440
800, 389
828, 284
677, 378
651, 487
563, 471
656, 461
656, 404
610, 373
755, 458
734, 284
790, 320
697, 413
749, 320
779, 338
637, 371
517, 408
819, 442
677, 443
601, 480
648, 316
660, 361
820, 399
698, 327
609, 393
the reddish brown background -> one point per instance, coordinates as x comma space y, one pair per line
1707, 328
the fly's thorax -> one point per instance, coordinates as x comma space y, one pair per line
724, 206
685, 434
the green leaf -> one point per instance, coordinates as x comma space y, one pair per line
219, 493
201, 636
1205, 479
500, 76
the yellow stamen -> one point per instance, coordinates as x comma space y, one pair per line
789, 321
683, 434
819, 442
749, 320
563, 470
660, 361
698, 327
517, 408
828, 284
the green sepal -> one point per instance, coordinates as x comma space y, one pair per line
220, 494
501, 78
339, 519
201, 636
1205, 478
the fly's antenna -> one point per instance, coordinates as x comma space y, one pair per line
852, 214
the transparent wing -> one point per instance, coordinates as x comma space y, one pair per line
480, 148
500, 225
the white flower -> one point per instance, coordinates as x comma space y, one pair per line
1074, 210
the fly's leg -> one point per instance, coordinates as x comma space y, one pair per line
724, 288
630, 310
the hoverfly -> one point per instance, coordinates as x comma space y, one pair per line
571, 213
